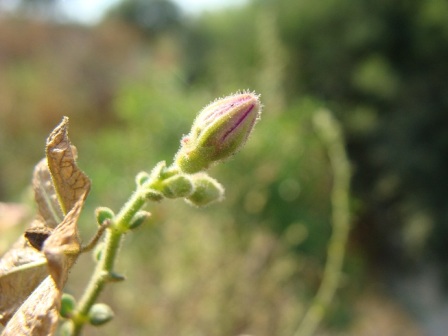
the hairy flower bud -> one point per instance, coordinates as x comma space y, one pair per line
177, 186
207, 191
100, 314
218, 132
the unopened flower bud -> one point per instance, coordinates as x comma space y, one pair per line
99, 314
218, 132
177, 186
139, 218
141, 178
206, 191
103, 214
68, 304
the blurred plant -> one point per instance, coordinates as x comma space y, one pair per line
330, 134
35, 270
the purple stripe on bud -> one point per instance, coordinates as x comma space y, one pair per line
219, 131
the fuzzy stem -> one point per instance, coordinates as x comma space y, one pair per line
105, 266
330, 134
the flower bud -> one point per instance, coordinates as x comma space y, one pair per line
68, 304
206, 191
141, 178
218, 132
99, 314
103, 214
177, 186
139, 218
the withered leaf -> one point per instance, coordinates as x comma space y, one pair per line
38, 315
69, 181
63, 246
22, 268
60, 191
45, 195
37, 233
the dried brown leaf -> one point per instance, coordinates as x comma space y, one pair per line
22, 268
38, 315
69, 181
45, 195
63, 247
60, 191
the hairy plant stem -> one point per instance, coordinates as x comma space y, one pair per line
104, 271
330, 134
105, 267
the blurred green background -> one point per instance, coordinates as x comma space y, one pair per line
132, 83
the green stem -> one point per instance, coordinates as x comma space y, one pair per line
105, 266
330, 134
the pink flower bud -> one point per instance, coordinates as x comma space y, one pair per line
218, 131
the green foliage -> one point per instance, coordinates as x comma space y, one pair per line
380, 67
151, 16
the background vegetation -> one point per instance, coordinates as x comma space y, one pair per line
132, 84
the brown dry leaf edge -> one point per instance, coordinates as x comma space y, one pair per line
34, 271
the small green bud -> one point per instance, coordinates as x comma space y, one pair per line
177, 186
68, 305
153, 195
206, 191
103, 214
141, 178
100, 314
98, 252
139, 218
218, 131
66, 329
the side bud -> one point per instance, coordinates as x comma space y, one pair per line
100, 314
68, 305
142, 178
103, 214
139, 218
177, 186
206, 191
218, 132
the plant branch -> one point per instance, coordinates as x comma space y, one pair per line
330, 133
105, 267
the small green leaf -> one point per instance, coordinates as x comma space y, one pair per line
115, 277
